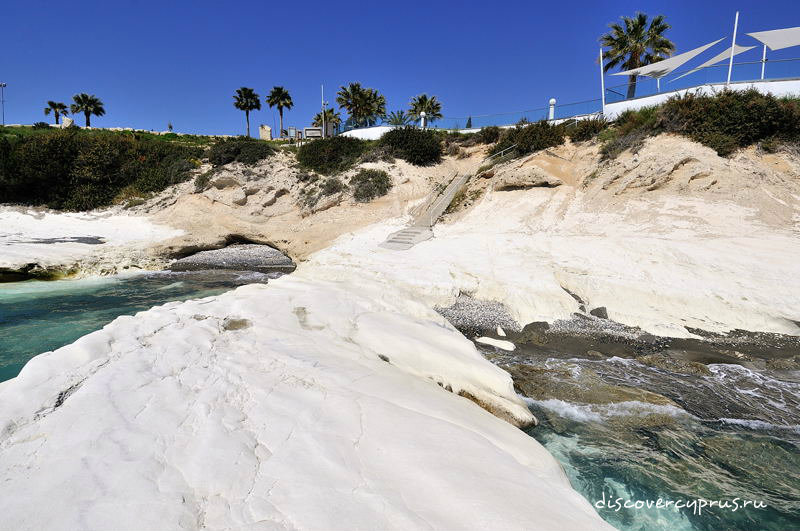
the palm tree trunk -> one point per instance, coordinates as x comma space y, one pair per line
631, 87
280, 112
88, 119
247, 116
56, 115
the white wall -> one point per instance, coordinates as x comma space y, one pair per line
787, 87
369, 133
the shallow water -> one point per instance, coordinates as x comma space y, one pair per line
628, 431
39, 316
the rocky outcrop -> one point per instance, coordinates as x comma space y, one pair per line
240, 257
526, 177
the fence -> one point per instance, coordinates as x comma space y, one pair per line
561, 111
681, 79
773, 69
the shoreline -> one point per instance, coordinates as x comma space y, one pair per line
592, 337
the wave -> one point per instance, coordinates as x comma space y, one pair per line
602, 412
760, 425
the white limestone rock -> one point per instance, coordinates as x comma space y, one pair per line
297, 405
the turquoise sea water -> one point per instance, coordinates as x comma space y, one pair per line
38, 316
625, 431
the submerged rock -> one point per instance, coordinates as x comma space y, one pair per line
670, 363
240, 257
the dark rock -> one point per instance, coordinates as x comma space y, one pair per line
235, 324
240, 257
600, 312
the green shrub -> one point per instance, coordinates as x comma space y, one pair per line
202, 181
732, 119
584, 130
613, 144
724, 122
770, 145
529, 138
331, 186
630, 130
369, 184
331, 155
240, 149
378, 153
80, 170
415, 146
305, 177
489, 135
41, 125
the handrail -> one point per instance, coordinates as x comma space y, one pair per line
421, 209
500, 153
440, 202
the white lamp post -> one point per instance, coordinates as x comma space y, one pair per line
422, 119
552, 114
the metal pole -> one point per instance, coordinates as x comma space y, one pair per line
602, 84
733, 46
3, 101
658, 84
322, 90
763, 61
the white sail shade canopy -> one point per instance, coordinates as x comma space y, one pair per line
662, 68
778, 39
722, 56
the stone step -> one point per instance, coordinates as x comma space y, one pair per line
406, 239
421, 228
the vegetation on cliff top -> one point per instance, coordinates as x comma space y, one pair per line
73, 169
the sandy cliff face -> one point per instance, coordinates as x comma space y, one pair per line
267, 204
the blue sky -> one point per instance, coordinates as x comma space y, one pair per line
179, 61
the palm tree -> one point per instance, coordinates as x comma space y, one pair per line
279, 97
246, 100
348, 98
364, 105
331, 117
398, 118
88, 105
634, 43
430, 105
57, 108
374, 107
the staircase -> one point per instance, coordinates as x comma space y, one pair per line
428, 214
